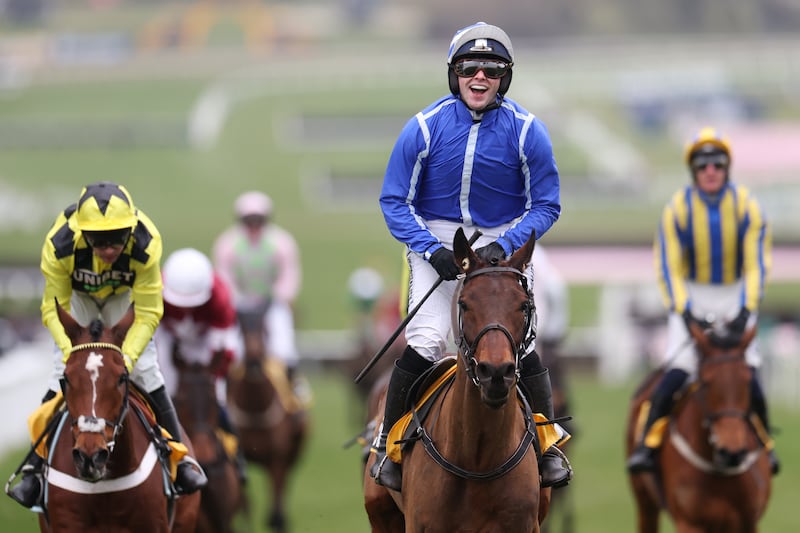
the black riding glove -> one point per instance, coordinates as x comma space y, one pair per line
737, 325
445, 264
492, 253
689, 318
736, 328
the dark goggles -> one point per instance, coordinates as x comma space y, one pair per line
107, 239
492, 68
719, 161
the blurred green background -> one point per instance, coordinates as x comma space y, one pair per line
190, 103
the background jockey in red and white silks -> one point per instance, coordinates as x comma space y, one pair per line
199, 321
199, 325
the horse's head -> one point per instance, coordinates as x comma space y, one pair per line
495, 308
196, 400
724, 392
95, 387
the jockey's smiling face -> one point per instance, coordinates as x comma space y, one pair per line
477, 89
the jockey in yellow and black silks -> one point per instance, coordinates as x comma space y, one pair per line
101, 255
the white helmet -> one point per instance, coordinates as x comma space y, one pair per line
253, 203
188, 278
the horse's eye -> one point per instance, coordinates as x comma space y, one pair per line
122, 379
462, 305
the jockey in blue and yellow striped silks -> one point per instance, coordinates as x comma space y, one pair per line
718, 239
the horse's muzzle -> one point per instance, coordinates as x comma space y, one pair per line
496, 382
90, 468
725, 458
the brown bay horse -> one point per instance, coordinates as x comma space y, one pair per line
199, 413
105, 473
272, 432
477, 469
714, 473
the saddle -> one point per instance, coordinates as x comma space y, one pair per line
421, 397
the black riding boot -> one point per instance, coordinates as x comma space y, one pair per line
406, 371
643, 457
226, 426
554, 466
190, 477
28, 492
759, 402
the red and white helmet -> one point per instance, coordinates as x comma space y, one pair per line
188, 278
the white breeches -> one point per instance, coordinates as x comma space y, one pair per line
429, 332
146, 373
712, 303
280, 334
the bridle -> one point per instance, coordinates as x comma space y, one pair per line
711, 416
467, 350
685, 449
91, 423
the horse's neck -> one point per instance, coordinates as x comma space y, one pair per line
689, 420
129, 446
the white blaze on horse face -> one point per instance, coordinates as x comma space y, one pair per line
92, 424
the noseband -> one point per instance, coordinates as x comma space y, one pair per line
92, 424
467, 350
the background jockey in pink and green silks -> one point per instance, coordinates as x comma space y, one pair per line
260, 261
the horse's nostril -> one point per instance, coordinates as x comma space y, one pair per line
484, 371
101, 457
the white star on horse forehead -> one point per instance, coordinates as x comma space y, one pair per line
93, 364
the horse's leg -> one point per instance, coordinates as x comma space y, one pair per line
647, 508
684, 527
382, 511
277, 517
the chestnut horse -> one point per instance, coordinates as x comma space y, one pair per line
270, 433
199, 412
105, 473
714, 473
478, 469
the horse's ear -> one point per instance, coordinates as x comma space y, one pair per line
120, 329
462, 251
522, 257
700, 336
748, 337
71, 326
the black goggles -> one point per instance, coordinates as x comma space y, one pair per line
107, 239
719, 161
492, 68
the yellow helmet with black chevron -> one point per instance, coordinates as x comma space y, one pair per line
708, 140
105, 206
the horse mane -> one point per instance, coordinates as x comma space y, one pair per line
96, 329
